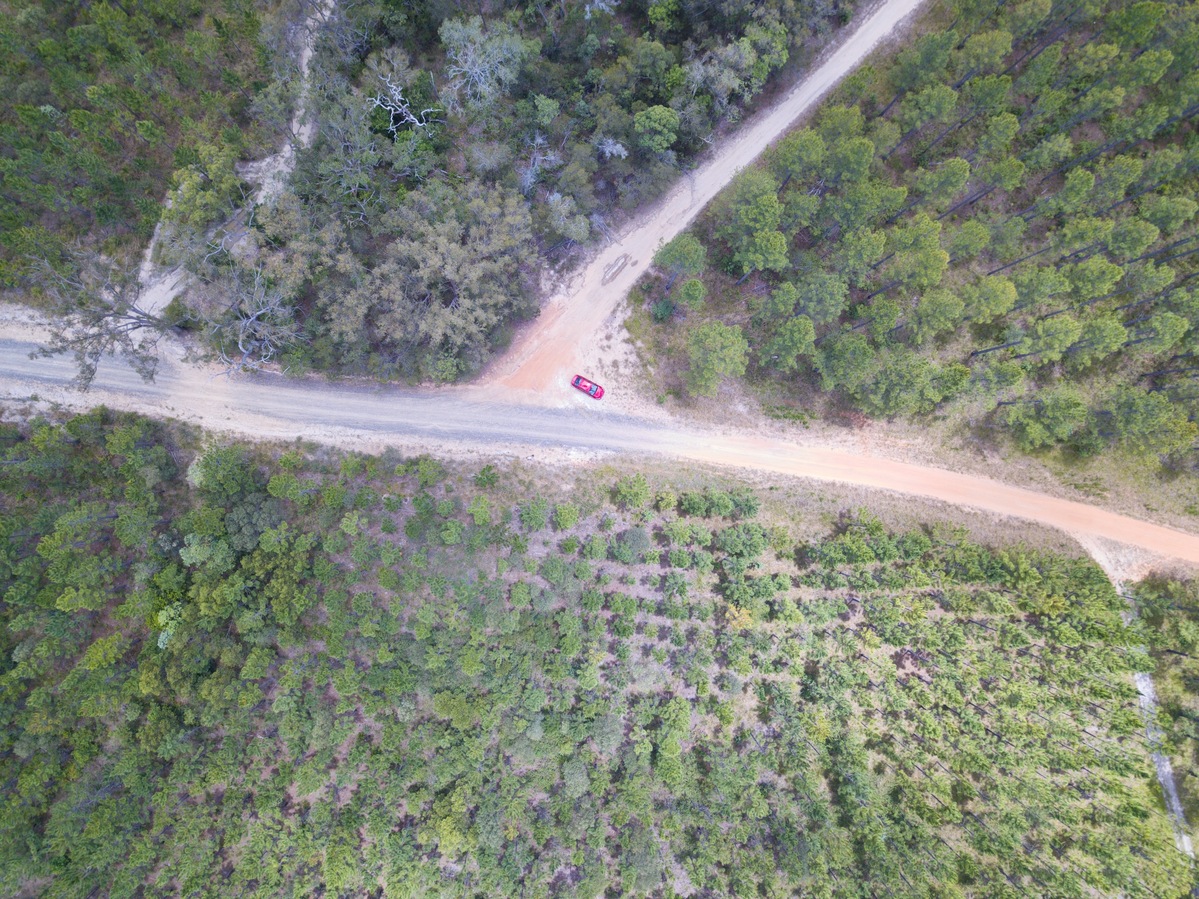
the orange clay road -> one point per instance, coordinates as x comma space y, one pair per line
475, 420
488, 419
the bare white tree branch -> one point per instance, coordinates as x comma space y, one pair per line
257, 325
396, 104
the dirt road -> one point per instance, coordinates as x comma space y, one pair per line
477, 420
498, 417
549, 351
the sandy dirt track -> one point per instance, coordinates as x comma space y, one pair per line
474, 420
555, 345
485, 419
510, 412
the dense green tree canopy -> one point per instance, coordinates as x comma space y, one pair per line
103, 102
559, 119
417, 678
1013, 194
715, 351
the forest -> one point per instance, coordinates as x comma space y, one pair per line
460, 149
997, 220
238, 670
260, 670
103, 102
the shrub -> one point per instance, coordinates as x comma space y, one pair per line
632, 492
693, 292
694, 503
480, 510
596, 548
544, 601
747, 541
429, 472
520, 595
662, 311
637, 540
622, 604
566, 516
534, 515
745, 503
674, 584
424, 505
608, 733
554, 569
575, 782
224, 473
720, 503
452, 532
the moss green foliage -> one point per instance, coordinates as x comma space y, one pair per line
1002, 216
103, 102
1170, 609
457, 144
338, 708
715, 351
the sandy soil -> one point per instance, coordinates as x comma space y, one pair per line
270, 174
1125, 565
474, 420
563, 339
581, 329
160, 286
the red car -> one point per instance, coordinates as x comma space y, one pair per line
593, 390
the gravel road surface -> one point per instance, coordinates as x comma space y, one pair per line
479, 419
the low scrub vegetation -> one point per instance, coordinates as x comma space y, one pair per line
232, 671
999, 219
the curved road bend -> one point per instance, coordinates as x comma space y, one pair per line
269, 407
